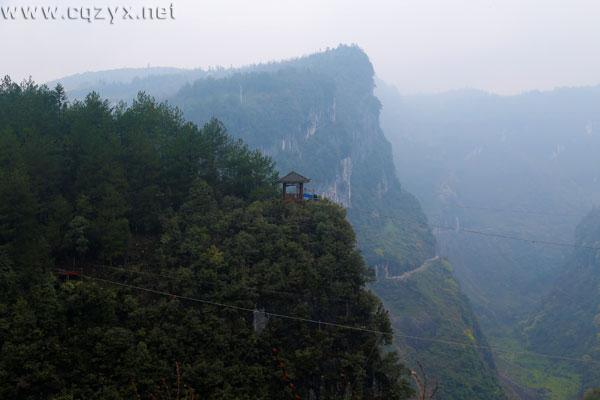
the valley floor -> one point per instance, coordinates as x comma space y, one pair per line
527, 376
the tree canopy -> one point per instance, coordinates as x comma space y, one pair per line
188, 260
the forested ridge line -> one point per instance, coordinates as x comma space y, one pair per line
138, 187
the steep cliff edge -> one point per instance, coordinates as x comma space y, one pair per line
430, 304
318, 115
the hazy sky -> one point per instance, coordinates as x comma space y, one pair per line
419, 45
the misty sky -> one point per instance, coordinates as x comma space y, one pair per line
419, 45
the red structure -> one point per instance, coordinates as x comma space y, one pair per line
293, 186
67, 275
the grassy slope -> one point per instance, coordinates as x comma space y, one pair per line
544, 378
431, 304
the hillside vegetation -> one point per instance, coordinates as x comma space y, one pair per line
430, 304
182, 245
567, 323
318, 115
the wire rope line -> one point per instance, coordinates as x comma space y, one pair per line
238, 308
515, 211
480, 232
342, 326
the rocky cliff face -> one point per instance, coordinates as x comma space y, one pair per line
318, 115
299, 114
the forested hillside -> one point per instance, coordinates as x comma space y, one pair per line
189, 277
317, 115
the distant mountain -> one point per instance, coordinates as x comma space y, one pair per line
521, 166
124, 84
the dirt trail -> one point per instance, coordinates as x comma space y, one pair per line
405, 276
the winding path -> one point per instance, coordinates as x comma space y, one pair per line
405, 276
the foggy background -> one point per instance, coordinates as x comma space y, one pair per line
419, 45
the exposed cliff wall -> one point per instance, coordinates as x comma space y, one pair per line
318, 115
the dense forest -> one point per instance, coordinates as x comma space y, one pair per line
318, 115
187, 260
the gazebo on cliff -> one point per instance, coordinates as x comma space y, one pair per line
293, 186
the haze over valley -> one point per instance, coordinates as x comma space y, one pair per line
335, 214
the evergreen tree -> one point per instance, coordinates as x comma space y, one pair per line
172, 209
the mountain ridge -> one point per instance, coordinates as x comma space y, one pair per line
515, 166
317, 115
